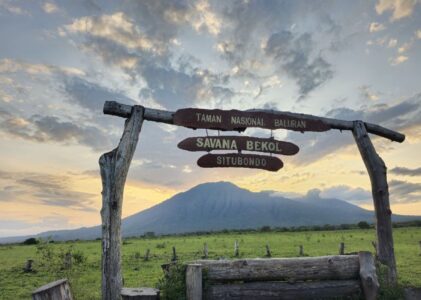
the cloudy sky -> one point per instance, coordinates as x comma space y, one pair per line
60, 60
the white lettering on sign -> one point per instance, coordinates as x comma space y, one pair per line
290, 123
264, 146
241, 161
200, 117
215, 143
247, 121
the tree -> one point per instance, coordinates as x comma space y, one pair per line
31, 241
363, 225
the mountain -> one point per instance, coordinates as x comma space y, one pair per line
223, 205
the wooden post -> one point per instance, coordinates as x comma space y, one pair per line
342, 248
380, 191
205, 250
368, 275
174, 254
268, 254
146, 258
194, 282
59, 289
28, 266
301, 250
420, 246
114, 167
236, 249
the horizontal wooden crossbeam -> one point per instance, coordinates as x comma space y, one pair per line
163, 116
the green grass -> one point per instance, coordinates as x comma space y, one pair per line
85, 277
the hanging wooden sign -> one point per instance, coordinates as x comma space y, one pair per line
239, 120
242, 143
236, 160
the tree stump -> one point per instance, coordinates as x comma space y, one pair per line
57, 290
142, 293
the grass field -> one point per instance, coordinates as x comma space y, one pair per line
85, 274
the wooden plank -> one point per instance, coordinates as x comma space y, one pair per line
239, 120
194, 282
368, 275
339, 267
142, 293
376, 169
59, 289
114, 167
284, 290
242, 143
123, 110
235, 160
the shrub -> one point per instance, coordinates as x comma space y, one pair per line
31, 241
363, 225
79, 257
173, 284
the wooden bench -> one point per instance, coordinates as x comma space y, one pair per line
321, 277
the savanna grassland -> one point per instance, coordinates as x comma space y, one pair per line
85, 275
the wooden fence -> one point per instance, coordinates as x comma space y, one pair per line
284, 278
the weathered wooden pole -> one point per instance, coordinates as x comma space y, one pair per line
114, 167
236, 249
194, 282
146, 258
205, 250
376, 169
342, 248
268, 253
301, 250
368, 275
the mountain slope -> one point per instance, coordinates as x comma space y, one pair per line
222, 205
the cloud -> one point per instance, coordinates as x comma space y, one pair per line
406, 171
51, 129
44, 189
50, 7
398, 60
404, 191
347, 193
399, 8
376, 27
418, 34
293, 54
12, 66
367, 94
401, 117
90, 95
11, 7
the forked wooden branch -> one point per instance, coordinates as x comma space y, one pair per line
122, 110
114, 167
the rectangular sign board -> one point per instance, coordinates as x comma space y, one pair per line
236, 160
239, 120
239, 143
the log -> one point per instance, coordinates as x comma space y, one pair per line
377, 171
194, 282
114, 167
342, 248
59, 290
122, 110
142, 293
368, 275
284, 290
338, 267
